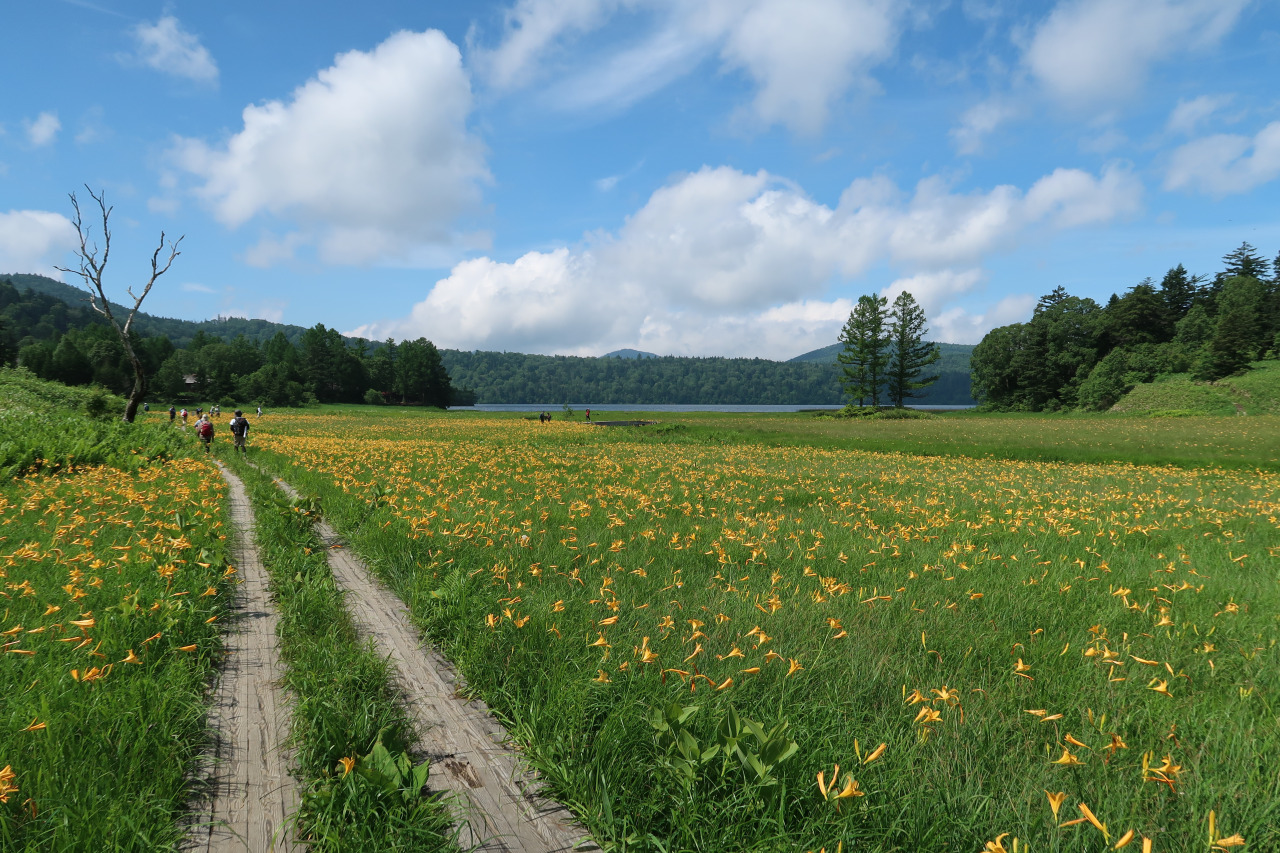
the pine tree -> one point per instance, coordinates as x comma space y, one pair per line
1178, 291
1245, 261
866, 346
911, 352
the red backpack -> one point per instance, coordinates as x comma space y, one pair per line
205, 429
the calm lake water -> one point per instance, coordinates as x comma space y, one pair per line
578, 408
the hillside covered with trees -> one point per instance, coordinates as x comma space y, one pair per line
47, 326
1075, 353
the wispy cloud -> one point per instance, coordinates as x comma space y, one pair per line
607, 183
169, 49
43, 129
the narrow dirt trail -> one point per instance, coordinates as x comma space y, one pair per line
252, 794
468, 748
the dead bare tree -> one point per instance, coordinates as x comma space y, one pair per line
91, 269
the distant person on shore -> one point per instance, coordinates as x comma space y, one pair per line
173, 413
542, 417
588, 414
240, 430
204, 429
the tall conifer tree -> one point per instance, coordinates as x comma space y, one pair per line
911, 353
866, 350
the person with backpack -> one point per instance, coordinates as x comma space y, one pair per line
173, 413
204, 429
240, 430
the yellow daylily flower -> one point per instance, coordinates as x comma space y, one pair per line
1097, 824
1055, 801
1067, 759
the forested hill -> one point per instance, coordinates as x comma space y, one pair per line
954, 356
179, 332
48, 327
499, 377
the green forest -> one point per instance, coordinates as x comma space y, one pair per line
49, 328
1076, 354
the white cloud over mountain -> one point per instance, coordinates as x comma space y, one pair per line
35, 241
371, 158
724, 262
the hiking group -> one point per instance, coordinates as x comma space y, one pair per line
239, 431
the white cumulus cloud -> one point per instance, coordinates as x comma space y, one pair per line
1224, 164
958, 326
43, 129
725, 262
169, 49
1090, 52
34, 241
371, 159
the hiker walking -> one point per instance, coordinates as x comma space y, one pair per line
240, 430
184, 416
204, 430
259, 411
588, 414
173, 413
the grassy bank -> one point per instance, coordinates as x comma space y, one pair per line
1004, 628
1255, 392
46, 426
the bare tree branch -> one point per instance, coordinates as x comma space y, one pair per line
90, 270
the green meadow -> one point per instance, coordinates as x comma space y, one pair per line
1004, 629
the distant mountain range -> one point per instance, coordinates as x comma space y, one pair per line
629, 353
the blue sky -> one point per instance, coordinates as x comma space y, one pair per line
694, 177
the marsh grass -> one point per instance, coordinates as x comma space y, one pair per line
1132, 601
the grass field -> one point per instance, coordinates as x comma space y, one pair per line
990, 648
